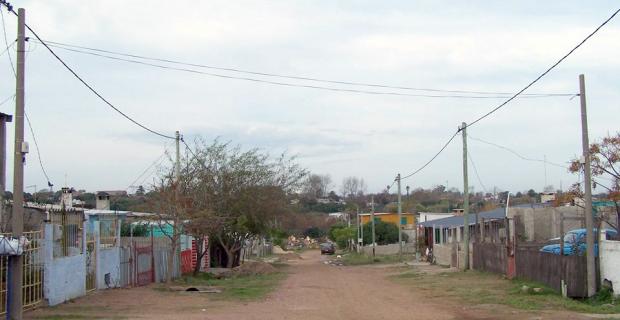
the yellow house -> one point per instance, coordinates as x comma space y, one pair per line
408, 219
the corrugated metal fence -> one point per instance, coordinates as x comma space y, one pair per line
145, 260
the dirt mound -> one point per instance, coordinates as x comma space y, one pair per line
253, 268
289, 256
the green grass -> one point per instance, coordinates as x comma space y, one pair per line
237, 288
356, 259
486, 288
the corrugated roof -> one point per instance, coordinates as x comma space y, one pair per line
458, 221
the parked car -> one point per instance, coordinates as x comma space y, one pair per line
575, 242
328, 248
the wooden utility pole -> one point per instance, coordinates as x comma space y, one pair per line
465, 197
587, 186
16, 262
400, 221
372, 218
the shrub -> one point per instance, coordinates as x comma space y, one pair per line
385, 233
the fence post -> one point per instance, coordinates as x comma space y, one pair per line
97, 235
152, 256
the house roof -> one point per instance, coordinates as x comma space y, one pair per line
383, 213
458, 221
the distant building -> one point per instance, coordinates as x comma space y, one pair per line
338, 215
430, 216
546, 197
407, 219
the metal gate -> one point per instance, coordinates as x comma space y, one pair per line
91, 261
144, 271
32, 285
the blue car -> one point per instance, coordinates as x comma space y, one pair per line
575, 242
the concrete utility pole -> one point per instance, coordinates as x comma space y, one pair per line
361, 227
400, 221
16, 263
4, 118
372, 218
465, 197
357, 240
590, 262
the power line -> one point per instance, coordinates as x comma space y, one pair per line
89, 86
34, 137
546, 71
303, 85
153, 164
71, 47
476, 171
7, 99
434, 157
516, 153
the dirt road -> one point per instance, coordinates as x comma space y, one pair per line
313, 290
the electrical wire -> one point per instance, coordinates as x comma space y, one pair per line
433, 158
95, 92
7, 99
545, 72
153, 164
278, 83
516, 153
66, 46
34, 137
476, 171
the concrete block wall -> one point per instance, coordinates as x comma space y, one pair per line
389, 249
64, 278
610, 263
108, 264
443, 254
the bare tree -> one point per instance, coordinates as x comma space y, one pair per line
317, 185
353, 187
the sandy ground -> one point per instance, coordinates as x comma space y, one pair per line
313, 290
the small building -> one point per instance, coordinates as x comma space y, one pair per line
547, 197
407, 220
430, 216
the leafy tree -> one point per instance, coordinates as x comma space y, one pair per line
605, 163
385, 233
343, 236
139, 230
237, 195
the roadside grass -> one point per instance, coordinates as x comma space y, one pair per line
357, 259
486, 288
238, 288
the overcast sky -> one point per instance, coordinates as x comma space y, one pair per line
453, 45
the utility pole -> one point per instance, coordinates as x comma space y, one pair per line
16, 262
590, 262
4, 118
357, 240
465, 197
400, 221
372, 218
361, 227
